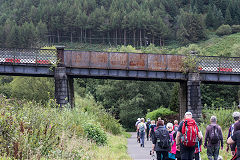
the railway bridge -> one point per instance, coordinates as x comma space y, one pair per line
65, 65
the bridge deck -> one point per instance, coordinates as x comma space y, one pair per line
38, 62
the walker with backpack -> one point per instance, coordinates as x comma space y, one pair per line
190, 132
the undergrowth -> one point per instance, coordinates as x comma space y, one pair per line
30, 130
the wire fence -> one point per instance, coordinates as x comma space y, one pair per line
100, 43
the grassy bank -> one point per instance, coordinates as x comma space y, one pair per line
32, 131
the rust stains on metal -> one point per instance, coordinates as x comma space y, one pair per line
174, 63
131, 61
118, 60
137, 61
77, 59
99, 60
157, 62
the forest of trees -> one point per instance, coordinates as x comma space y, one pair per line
126, 100
30, 23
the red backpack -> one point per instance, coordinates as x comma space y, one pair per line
190, 132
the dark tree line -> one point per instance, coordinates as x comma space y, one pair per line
27, 23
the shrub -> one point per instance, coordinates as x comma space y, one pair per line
224, 30
235, 28
23, 134
162, 112
94, 132
224, 116
30, 130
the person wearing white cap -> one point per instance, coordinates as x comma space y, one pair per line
187, 136
136, 125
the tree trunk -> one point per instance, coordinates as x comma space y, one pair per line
90, 36
116, 36
134, 37
145, 38
103, 39
81, 34
140, 38
125, 38
153, 39
108, 37
85, 35
160, 42
58, 35
71, 37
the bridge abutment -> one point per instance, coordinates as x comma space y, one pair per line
64, 88
190, 96
61, 86
194, 103
182, 99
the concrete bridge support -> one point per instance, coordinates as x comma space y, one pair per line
190, 96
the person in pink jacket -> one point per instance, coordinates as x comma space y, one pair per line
172, 134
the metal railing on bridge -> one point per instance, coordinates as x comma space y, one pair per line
28, 56
119, 61
218, 64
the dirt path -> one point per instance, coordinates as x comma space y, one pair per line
137, 152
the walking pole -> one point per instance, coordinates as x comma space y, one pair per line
199, 151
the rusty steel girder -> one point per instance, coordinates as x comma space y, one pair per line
123, 61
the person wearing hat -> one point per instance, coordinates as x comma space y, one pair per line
148, 123
136, 125
236, 116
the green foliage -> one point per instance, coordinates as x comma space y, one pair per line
26, 131
174, 101
189, 63
224, 30
29, 88
30, 130
129, 100
191, 27
160, 112
95, 133
218, 99
128, 48
135, 23
235, 28
224, 116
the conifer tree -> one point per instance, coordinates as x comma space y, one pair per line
228, 18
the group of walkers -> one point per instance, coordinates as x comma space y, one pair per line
184, 141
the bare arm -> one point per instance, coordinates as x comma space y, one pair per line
200, 136
178, 137
230, 141
153, 146
150, 131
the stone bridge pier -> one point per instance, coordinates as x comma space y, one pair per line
64, 89
190, 96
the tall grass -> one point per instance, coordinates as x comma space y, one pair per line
32, 131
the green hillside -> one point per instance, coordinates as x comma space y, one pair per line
224, 46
